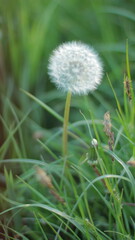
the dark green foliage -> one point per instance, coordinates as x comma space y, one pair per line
99, 196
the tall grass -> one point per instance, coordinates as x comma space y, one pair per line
95, 197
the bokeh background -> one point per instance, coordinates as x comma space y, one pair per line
29, 31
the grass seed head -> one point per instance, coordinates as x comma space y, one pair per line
44, 178
127, 87
108, 130
131, 162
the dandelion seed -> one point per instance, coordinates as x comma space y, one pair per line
75, 67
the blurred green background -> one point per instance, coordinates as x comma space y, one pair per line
29, 31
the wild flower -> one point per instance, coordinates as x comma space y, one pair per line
75, 67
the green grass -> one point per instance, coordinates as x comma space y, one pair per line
92, 195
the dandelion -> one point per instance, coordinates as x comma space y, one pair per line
75, 68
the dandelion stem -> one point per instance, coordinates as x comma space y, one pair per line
65, 125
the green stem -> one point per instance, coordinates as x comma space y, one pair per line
65, 124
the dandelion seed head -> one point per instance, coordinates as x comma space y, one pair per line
75, 67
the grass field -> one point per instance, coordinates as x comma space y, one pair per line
90, 193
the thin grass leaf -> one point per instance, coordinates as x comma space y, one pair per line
120, 12
131, 178
36, 192
43, 105
72, 235
4, 146
41, 229
47, 149
16, 232
91, 184
50, 209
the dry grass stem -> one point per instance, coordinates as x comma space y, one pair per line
46, 181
